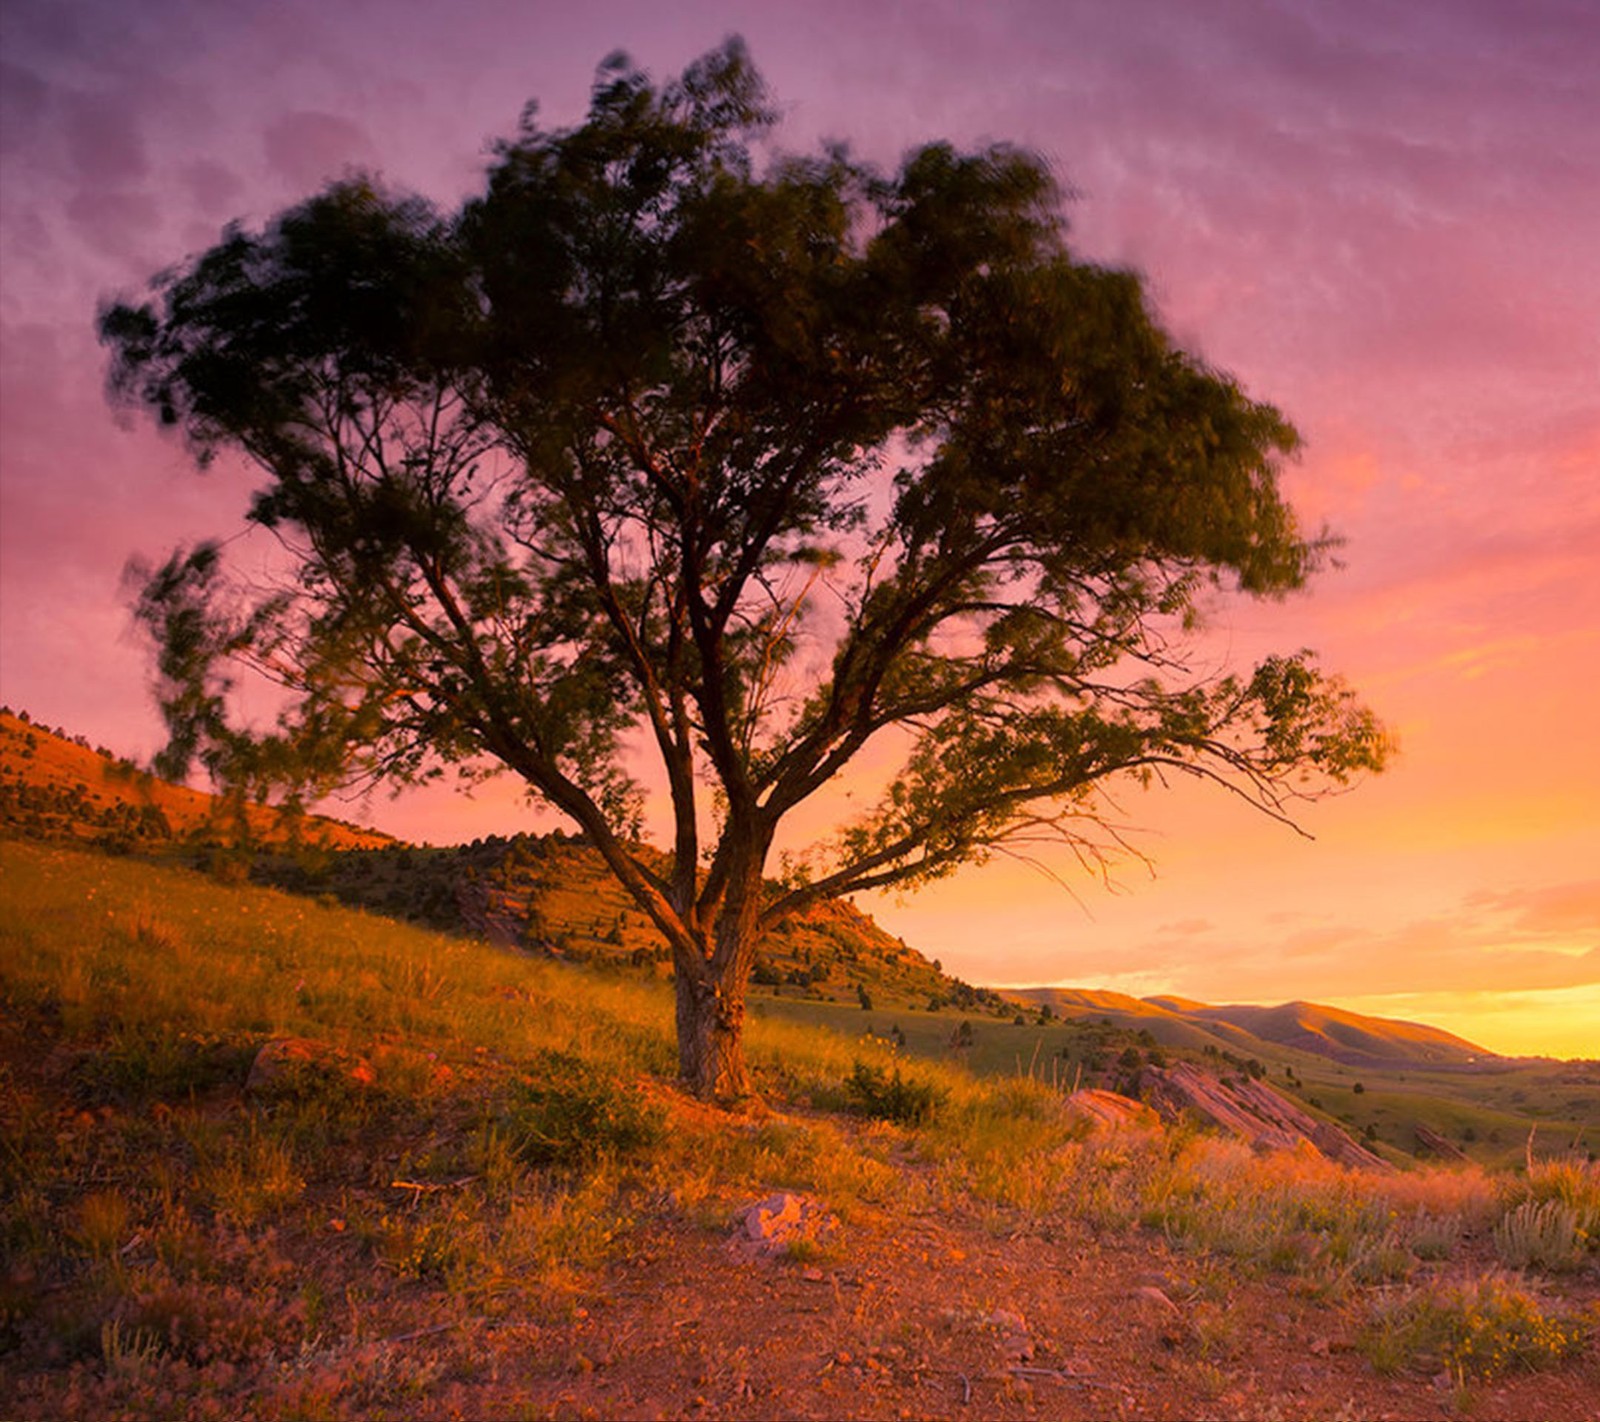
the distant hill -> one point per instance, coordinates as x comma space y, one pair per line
1349, 1038
58, 787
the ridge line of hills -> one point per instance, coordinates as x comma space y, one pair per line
550, 894
1400, 1090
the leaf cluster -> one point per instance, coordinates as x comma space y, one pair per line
759, 461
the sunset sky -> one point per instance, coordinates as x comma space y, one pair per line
1383, 218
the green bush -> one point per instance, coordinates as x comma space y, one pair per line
570, 1113
891, 1097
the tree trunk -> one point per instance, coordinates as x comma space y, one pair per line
711, 1038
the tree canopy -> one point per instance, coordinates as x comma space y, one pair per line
672, 442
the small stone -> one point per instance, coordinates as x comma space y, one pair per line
1148, 1293
770, 1226
1018, 1348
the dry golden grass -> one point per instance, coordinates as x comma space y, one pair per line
174, 1237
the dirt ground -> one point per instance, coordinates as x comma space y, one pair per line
926, 1316
933, 1315
963, 1312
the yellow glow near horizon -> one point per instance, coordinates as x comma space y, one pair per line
1555, 1022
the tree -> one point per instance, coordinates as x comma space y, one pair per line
758, 463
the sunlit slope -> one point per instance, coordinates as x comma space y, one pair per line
52, 787
1345, 1037
1168, 1028
551, 895
1348, 1037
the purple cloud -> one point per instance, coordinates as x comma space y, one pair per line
308, 149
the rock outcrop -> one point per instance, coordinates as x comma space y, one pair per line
1109, 1109
1251, 1110
1432, 1143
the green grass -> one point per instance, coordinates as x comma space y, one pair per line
481, 1130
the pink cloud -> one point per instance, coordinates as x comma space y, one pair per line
310, 148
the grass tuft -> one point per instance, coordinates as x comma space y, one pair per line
886, 1096
567, 1112
1481, 1330
1540, 1234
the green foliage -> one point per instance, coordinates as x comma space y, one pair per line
709, 381
890, 1096
565, 1112
1480, 1330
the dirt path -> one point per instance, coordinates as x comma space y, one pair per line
939, 1316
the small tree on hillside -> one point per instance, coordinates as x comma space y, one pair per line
765, 464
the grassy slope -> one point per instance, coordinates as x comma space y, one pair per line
553, 895
510, 1131
52, 786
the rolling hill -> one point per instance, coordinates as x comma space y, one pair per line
550, 895
57, 787
1349, 1037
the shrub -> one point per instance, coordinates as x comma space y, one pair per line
1575, 1184
1541, 1234
571, 1113
891, 1097
1480, 1330
1433, 1236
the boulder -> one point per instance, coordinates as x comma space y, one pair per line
290, 1066
773, 1225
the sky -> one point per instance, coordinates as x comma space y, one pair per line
1384, 219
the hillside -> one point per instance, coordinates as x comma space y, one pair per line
270, 1157
55, 787
1349, 1038
1406, 1090
551, 895
545, 894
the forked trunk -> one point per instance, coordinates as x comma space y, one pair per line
711, 1039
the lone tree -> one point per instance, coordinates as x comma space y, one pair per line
764, 466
